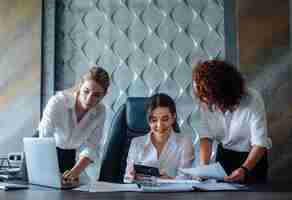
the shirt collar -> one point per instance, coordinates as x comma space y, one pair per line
170, 139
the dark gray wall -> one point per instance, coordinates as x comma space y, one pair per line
265, 59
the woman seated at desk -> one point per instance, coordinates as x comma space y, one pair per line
75, 118
161, 148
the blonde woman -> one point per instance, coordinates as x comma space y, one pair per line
75, 118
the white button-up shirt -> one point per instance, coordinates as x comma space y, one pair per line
178, 152
240, 130
59, 121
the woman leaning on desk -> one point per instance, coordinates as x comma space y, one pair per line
75, 118
235, 117
161, 147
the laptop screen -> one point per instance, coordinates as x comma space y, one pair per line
41, 161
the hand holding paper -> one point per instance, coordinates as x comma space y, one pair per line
214, 171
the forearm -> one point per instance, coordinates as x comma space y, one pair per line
254, 156
205, 150
82, 163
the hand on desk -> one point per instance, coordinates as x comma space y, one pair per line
237, 175
70, 177
164, 175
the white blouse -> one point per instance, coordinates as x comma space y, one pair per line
178, 152
241, 129
59, 121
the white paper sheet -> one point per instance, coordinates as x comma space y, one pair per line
168, 188
100, 186
207, 185
175, 181
214, 186
214, 171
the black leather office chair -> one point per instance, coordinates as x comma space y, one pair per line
129, 122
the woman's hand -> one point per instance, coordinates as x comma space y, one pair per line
70, 176
164, 175
130, 174
236, 175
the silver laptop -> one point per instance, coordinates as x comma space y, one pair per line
42, 163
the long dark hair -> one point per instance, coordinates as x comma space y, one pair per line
162, 100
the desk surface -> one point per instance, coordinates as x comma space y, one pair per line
263, 193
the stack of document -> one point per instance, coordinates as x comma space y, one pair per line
100, 186
207, 185
218, 186
167, 188
211, 171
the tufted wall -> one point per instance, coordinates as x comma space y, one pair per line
146, 45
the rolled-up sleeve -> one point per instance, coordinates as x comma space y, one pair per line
203, 128
93, 146
47, 125
258, 124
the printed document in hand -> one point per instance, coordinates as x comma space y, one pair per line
213, 171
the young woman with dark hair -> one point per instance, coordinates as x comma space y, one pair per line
162, 147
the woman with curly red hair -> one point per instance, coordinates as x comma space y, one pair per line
235, 117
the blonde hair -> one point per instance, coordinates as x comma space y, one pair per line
97, 74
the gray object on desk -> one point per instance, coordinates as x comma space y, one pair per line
42, 163
12, 186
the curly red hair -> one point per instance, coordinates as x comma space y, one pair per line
218, 84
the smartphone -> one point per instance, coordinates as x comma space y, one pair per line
146, 170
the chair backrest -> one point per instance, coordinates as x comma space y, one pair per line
129, 122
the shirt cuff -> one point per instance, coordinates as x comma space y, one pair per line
267, 143
89, 153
